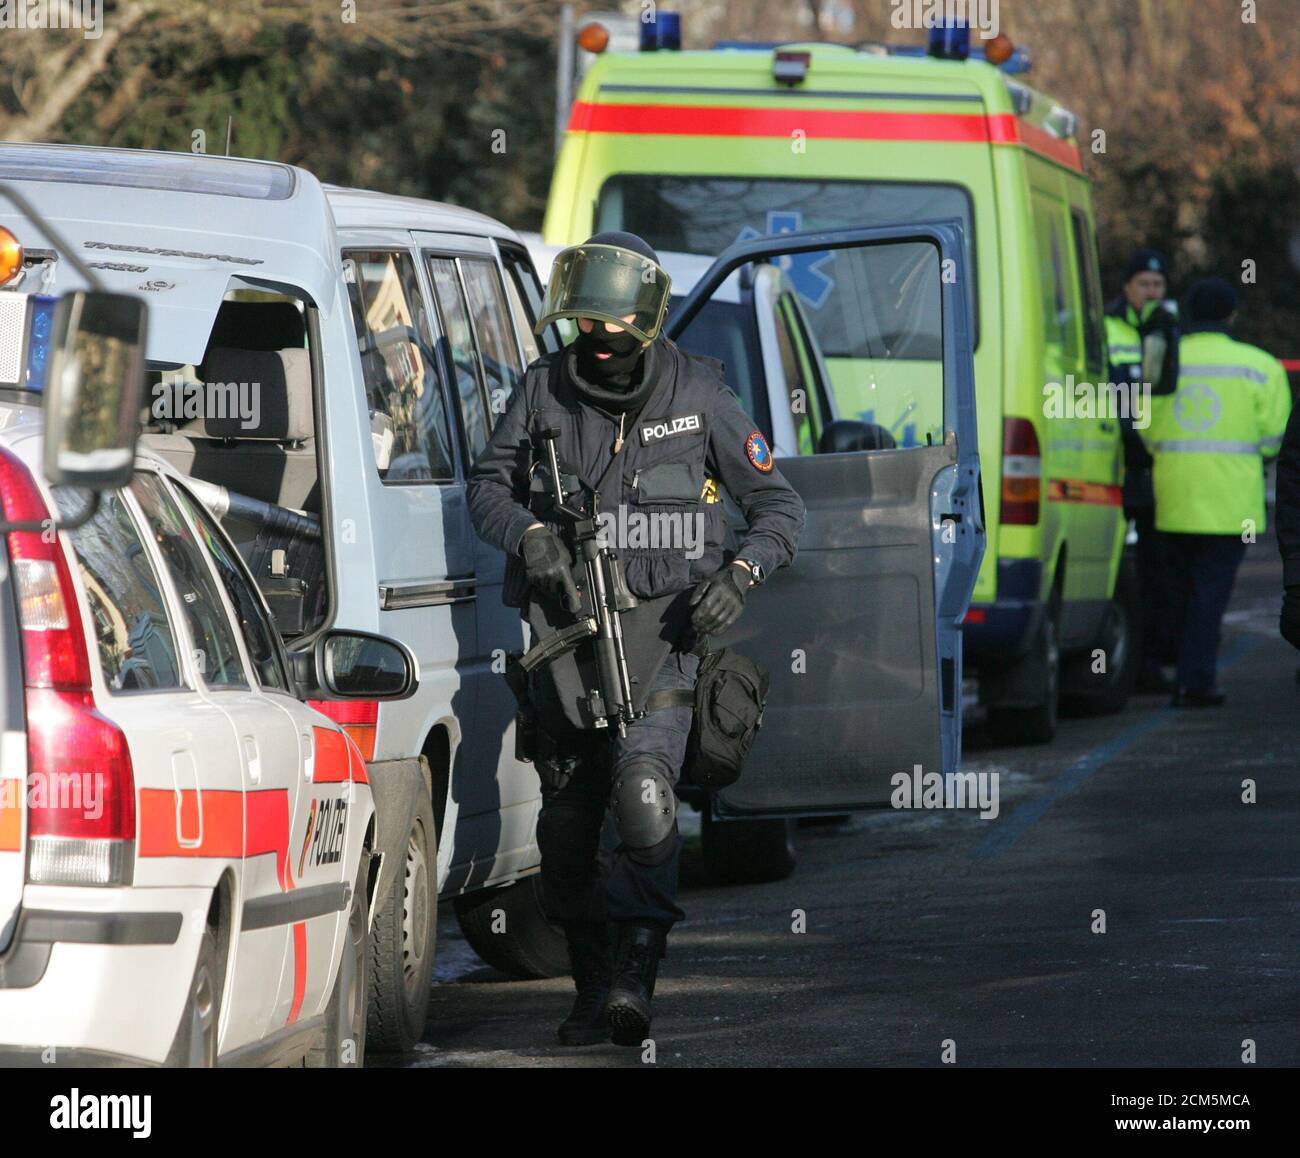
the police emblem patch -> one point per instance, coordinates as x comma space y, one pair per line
758, 452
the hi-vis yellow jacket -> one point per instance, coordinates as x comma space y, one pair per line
1211, 438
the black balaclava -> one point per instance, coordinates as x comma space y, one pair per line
623, 372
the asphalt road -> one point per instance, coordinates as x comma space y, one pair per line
927, 927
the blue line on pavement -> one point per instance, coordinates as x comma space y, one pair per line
1076, 775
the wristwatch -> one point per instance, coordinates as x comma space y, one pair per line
753, 570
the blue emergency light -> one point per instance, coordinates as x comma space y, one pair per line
662, 31
950, 40
40, 327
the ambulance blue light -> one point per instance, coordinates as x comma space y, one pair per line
40, 325
950, 40
662, 32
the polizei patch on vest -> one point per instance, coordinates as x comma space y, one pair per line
758, 452
657, 429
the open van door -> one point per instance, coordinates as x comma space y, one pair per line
862, 634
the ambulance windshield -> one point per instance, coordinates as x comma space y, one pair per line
707, 214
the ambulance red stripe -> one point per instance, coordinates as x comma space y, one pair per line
1068, 490
823, 124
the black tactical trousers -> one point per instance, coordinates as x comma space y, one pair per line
589, 872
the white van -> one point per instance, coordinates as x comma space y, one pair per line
330, 361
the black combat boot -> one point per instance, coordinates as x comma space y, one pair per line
589, 962
637, 950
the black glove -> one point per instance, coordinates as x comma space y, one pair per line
1290, 624
719, 600
546, 560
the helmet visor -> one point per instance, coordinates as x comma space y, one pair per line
609, 284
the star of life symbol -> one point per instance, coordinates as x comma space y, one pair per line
804, 270
1197, 407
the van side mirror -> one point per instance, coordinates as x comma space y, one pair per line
355, 665
94, 389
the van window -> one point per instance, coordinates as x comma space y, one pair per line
216, 653
259, 638
1058, 291
459, 340
502, 366
137, 650
526, 299
1085, 261
708, 214
408, 417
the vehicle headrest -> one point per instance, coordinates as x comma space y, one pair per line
257, 326
256, 394
846, 435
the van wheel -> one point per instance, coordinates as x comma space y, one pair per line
509, 930
344, 1044
195, 1045
747, 852
1019, 727
1089, 693
402, 942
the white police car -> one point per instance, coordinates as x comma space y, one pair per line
185, 846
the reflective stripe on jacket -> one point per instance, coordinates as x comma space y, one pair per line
1211, 438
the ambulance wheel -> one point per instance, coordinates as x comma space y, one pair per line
509, 930
1086, 692
344, 1040
1023, 726
746, 852
402, 941
195, 1046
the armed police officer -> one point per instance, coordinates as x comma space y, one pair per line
645, 438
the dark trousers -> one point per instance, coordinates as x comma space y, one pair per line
1202, 570
588, 872
1158, 644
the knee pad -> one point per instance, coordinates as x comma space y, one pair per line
645, 811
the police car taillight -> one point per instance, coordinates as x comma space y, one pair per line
358, 718
80, 781
1022, 473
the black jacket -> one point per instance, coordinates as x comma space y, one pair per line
691, 441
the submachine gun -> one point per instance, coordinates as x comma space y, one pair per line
603, 598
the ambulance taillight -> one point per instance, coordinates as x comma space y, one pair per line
1022, 473
80, 781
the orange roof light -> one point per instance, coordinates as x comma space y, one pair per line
11, 256
593, 37
999, 50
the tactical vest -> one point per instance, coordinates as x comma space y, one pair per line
666, 525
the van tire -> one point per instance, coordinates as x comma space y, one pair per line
345, 1015
529, 946
1084, 692
747, 852
1021, 727
195, 1044
403, 939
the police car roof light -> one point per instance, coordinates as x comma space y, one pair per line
40, 325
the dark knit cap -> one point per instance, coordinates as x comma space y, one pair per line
1211, 300
1145, 260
